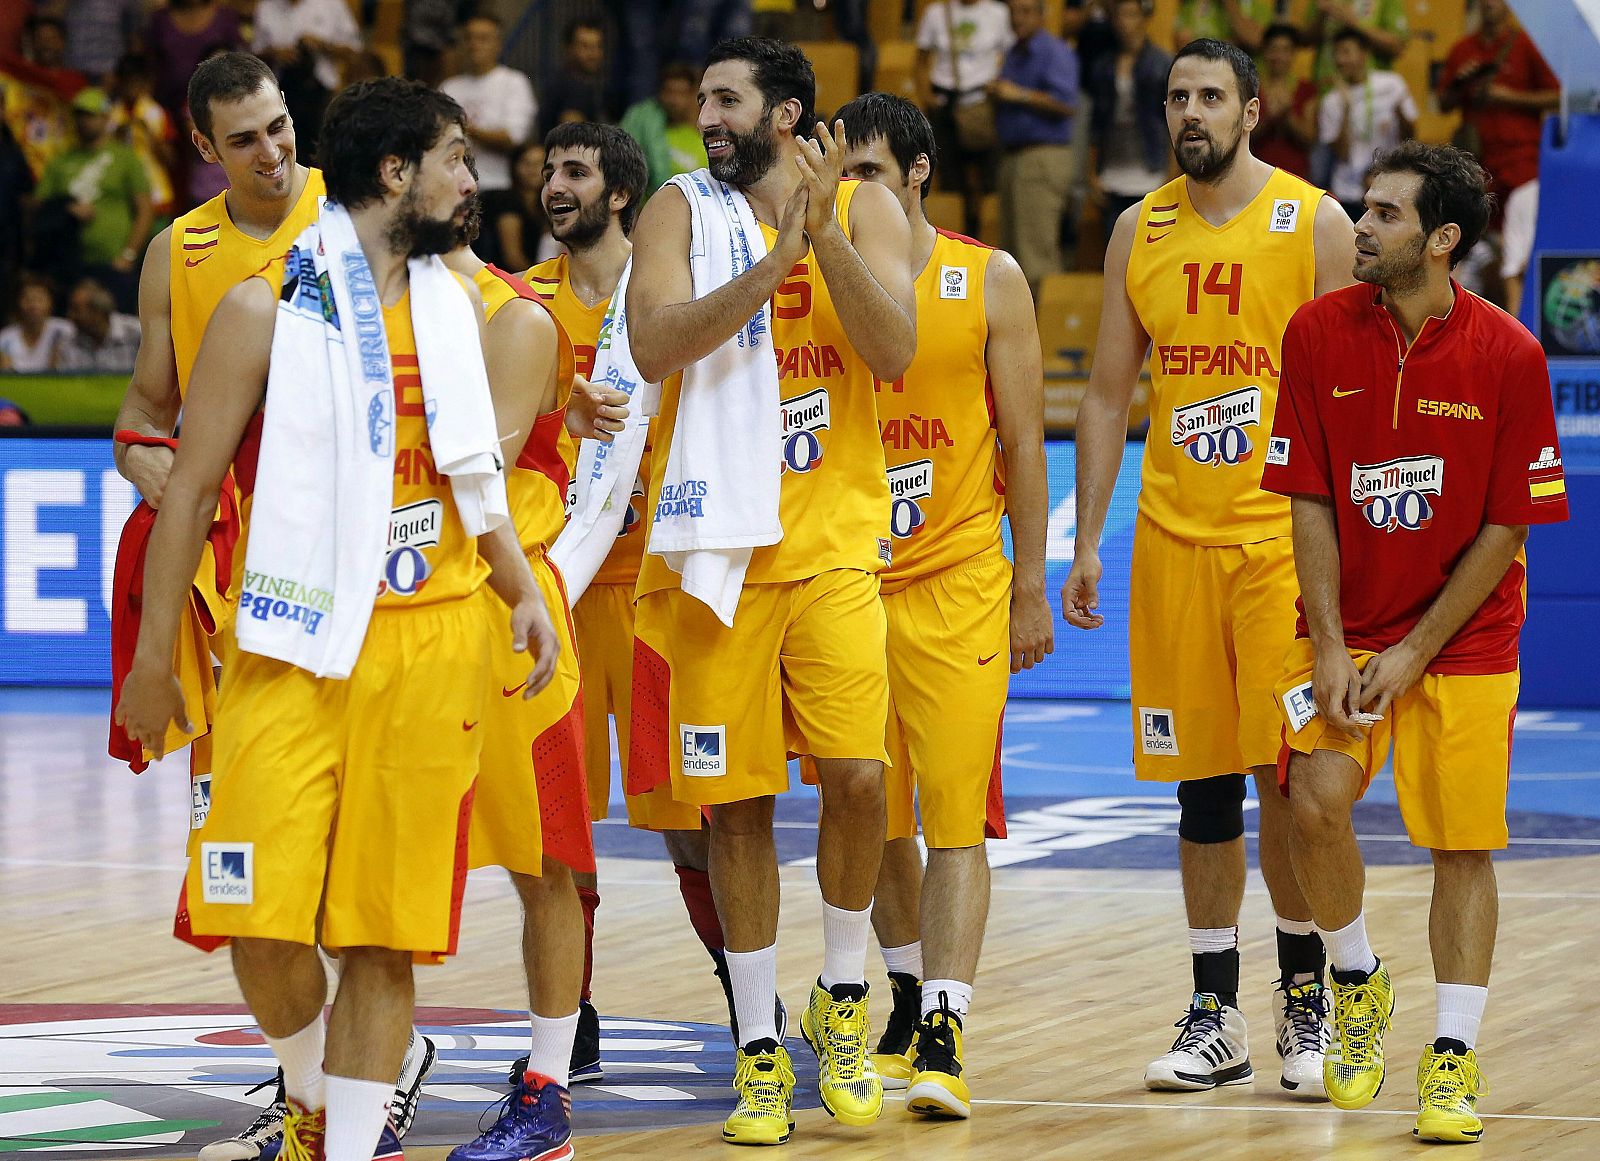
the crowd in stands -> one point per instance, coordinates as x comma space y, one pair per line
1048, 114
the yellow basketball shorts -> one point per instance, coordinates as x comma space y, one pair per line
1208, 628
803, 671
949, 670
531, 800
604, 619
349, 796
1451, 735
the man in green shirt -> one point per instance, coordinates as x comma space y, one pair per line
107, 190
665, 126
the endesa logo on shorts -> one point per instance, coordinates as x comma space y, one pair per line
199, 800
1212, 431
803, 417
411, 529
1157, 734
1395, 493
227, 872
909, 483
705, 751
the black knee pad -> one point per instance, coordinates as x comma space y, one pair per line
1211, 810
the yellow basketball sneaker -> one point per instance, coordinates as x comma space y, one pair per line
1362, 1009
764, 1080
897, 1046
1448, 1087
937, 1089
835, 1025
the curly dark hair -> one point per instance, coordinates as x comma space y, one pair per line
372, 120
1454, 189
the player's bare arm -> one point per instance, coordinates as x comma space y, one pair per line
1391, 673
1016, 376
1102, 430
1335, 681
868, 273
152, 402
671, 328
1334, 241
225, 391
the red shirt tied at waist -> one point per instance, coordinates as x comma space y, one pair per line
1416, 458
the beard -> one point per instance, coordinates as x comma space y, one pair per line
416, 235
1204, 161
753, 154
467, 233
587, 227
1399, 270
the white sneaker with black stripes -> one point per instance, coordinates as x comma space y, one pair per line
1211, 1049
1304, 1032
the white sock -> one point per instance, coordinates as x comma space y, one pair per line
1348, 949
844, 946
551, 1054
1210, 939
952, 994
301, 1056
905, 959
1459, 1011
754, 975
357, 1110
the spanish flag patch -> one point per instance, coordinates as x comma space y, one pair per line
1547, 490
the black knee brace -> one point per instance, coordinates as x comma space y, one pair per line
1211, 810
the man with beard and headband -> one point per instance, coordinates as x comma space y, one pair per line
595, 179
1208, 268
320, 780
532, 764
954, 603
1416, 441
798, 665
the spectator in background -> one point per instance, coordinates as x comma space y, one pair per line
1381, 25
1036, 95
960, 44
501, 108
1087, 25
38, 90
1241, 22
1367, 111
427, 30
702, 23
179, 37
520, 225
580, 90
851, 20
33, 342
104, 187
100, 32
1288, 126
667, 126
307, 43
139, 122
16, 185
1503, 88
1128, 143
103, 340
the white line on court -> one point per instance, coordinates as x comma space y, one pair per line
1292, 1109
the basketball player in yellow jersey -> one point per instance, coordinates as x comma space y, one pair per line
803, 668
320, 782
961, 620
1209, 268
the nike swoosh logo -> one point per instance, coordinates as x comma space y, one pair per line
986, 660
195, 261
504, 692
1154, 237
469, 728
1339, 393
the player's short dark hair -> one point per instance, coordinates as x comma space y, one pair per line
481, 12
899, 122
780, 70
570, 33
1244, 68
1454, 188
372, 120
678, 71
1281, 31
232, 76
1348, 32
622, 163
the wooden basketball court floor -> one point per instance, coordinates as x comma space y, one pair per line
105, 1017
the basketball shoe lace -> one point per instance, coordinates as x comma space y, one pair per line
903, 1018
936, 1043
1448, 1081
1305, 1008
1359, 1021
844, 1023
303, 1135
1196, 1027
269, 1121
762, 1079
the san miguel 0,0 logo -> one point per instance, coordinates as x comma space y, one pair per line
1212, 431
1394, 494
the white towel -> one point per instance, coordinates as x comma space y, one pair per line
721, 479
320, 522
604, 477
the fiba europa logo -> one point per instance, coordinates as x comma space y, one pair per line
1394, 494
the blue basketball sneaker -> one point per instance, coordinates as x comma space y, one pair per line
534, 1124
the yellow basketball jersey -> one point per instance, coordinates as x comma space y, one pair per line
834, 502
430, 558
210, 256
1215, 301
937, 423
537, 484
